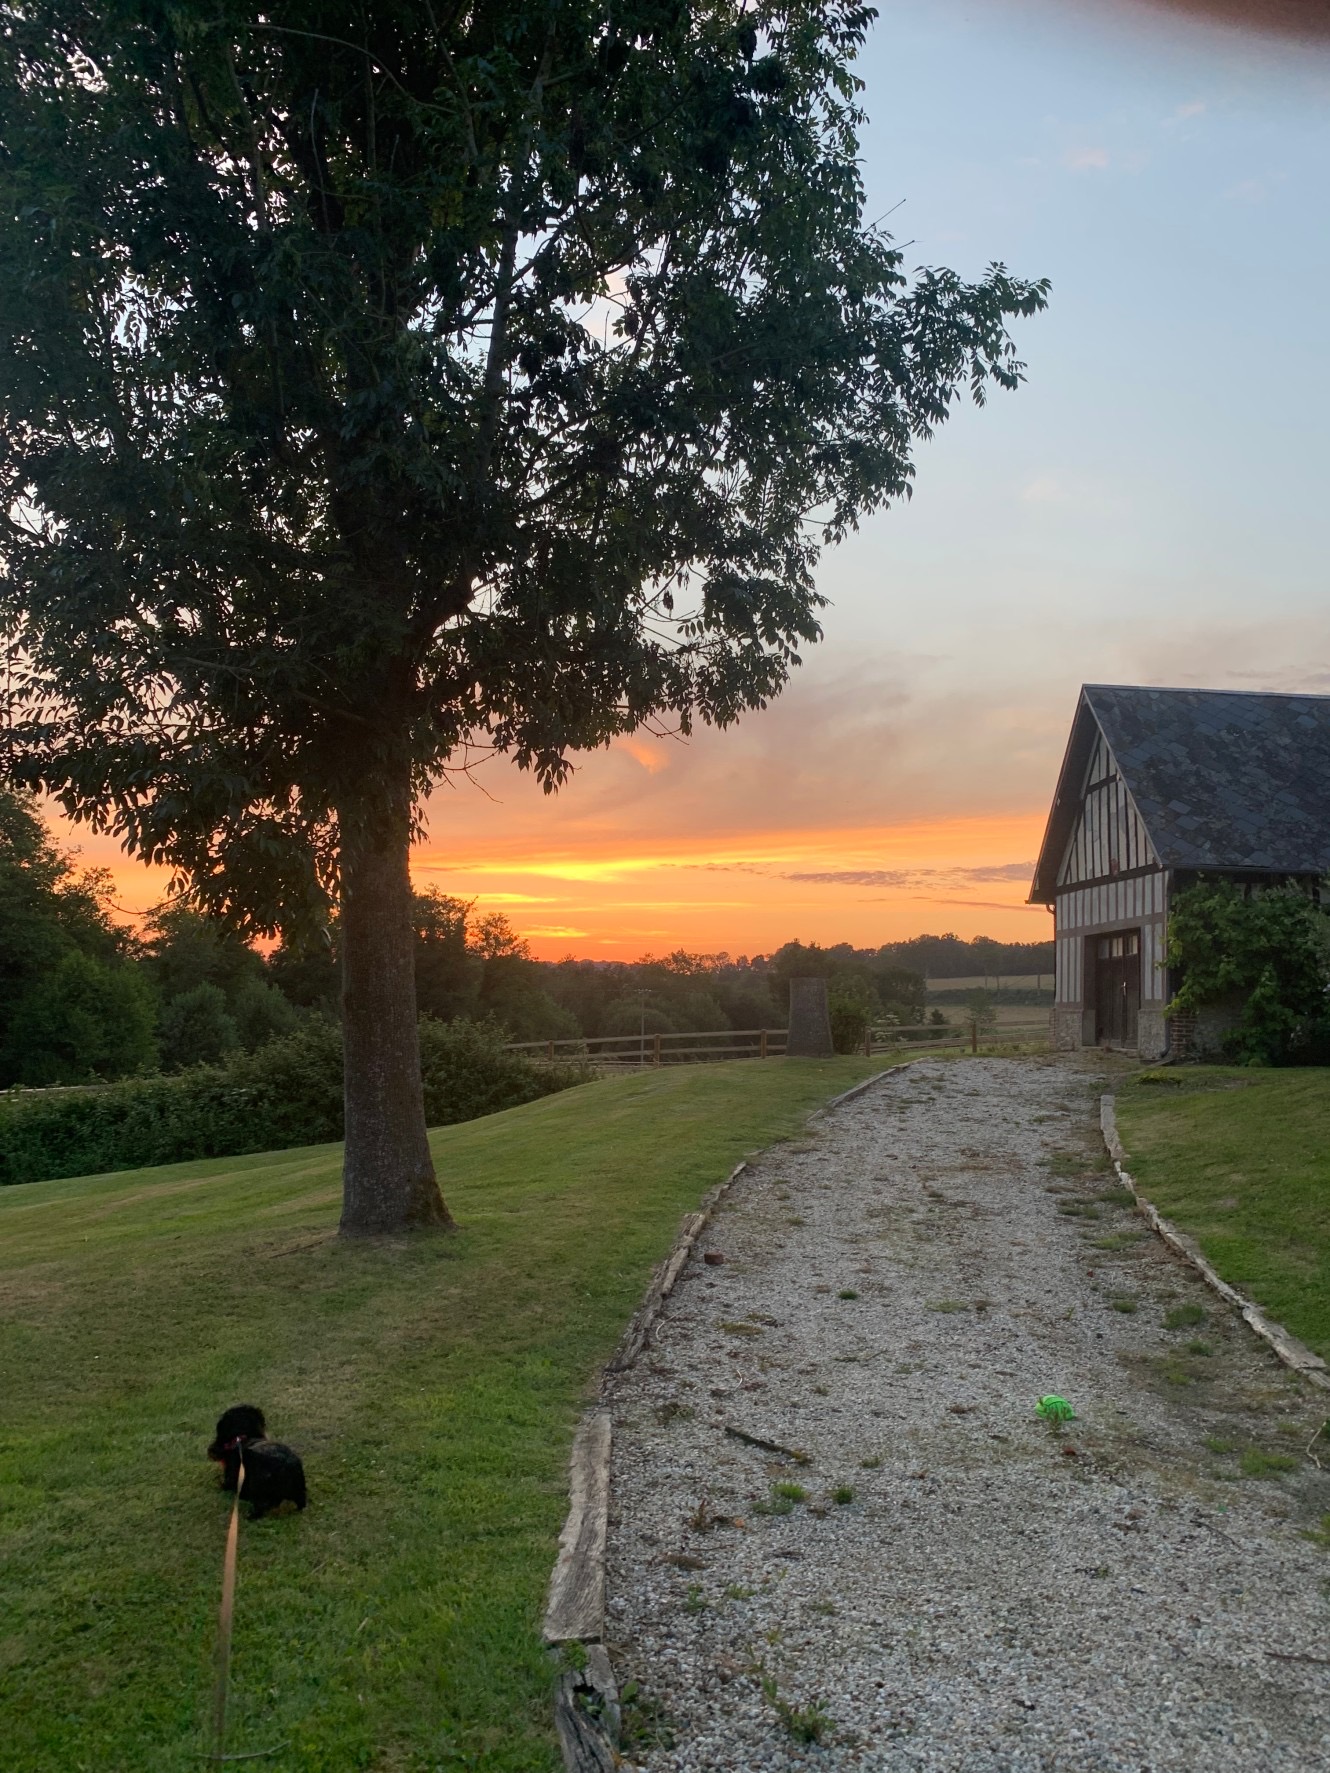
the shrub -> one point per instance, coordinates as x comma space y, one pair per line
850, 1004
288, 1093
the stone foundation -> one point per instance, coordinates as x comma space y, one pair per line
1214, 1021
1064, 1028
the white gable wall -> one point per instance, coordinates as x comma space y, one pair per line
1109, 837
1110, 880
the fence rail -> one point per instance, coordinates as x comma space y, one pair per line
749, 1043
659, 1049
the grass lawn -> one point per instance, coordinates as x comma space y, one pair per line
1241, 1160
431, 1384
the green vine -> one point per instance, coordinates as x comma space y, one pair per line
1267, 952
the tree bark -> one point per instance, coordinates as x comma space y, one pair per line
388, 1181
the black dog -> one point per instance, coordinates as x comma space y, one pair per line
242, 1422
273, 1472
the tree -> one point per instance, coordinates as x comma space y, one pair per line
511, 995
71, 1004
184, 948
989, 955
197, 1027
261, 1014
445, 970
980, 1013
86, 1019
387, 384
214, 988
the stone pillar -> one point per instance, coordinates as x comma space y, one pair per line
810, 1020
1151, 1033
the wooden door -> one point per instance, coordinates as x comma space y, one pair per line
1117, 988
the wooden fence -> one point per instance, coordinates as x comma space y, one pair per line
659, 1049
614, 1051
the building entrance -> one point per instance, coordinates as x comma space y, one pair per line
1117, 988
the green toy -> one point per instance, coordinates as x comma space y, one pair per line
1054, 1409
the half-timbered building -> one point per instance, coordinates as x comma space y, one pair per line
1160, 788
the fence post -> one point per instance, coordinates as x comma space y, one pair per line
868, 1043
974, 1035
762, 1045
551, 1052
655, 1049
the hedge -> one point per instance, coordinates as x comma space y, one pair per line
284, 1094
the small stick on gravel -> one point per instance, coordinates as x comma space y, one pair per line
1299, 1656
1312, 1442
755, 1440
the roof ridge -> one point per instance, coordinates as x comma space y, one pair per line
1174, 689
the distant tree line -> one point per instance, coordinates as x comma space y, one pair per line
952, 957
84, 999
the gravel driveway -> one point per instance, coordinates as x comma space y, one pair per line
941, 1580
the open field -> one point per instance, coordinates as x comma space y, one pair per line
431, 1384
1010, 982
1029, 1021
1241, 1160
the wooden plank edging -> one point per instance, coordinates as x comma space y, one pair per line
587, 1716
691, 1227
1290, 1350
575, 1610
859, 1088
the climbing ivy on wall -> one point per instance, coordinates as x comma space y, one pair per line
1266, 950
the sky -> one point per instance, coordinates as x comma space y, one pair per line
1149, 508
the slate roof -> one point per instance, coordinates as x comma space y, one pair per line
1225, 780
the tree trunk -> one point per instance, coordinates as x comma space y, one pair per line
388, 1181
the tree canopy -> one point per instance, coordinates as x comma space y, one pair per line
71, 1007
385, 385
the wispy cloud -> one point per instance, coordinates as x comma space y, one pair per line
1086, 159
913, 877
651, 755
513, 898
1196, 108
874, 877
1246, 191
1005, 871
725, 867
985, 905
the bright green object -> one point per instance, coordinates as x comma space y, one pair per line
1054, 1409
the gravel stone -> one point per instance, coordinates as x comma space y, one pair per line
999, 1593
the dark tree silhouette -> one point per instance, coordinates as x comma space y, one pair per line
385, 383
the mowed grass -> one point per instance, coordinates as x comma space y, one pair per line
432, 1385
1241, 1160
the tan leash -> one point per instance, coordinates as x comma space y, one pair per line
226, 1615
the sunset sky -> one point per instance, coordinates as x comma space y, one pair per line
1151, 507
